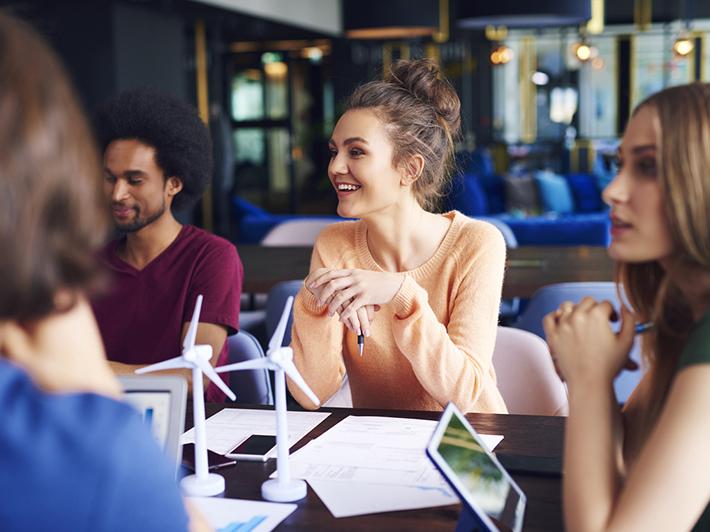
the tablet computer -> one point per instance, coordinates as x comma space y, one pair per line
486, 490
161, 400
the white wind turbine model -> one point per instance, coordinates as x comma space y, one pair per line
280, 360
197, 358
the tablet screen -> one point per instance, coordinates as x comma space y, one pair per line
477, 477
154, 406
161, 402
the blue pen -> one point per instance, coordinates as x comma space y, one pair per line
360, 343
644, 327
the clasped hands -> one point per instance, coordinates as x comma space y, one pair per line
355, 295
582, 343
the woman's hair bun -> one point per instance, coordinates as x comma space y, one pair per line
423, 79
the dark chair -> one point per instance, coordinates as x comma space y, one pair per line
274, 307
250, 386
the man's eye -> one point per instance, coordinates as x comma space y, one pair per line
135, 181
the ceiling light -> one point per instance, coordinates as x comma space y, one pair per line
540, 78
501, 55
683, 46
583, 51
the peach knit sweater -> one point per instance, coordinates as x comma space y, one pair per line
432, 344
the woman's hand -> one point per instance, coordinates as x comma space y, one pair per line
366, 315
62, 352
354, 294
582, 344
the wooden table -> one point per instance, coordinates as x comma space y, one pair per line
525, 435
528, 268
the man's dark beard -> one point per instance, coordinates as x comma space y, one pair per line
141, 223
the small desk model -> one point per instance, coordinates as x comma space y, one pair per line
524, 435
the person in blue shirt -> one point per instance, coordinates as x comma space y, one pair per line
72, 456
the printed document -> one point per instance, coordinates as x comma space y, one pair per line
231, 426
368, 464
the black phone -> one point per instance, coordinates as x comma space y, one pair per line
214, 460
537, 465
255, 447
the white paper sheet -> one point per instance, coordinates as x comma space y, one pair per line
229, 427
224, 514
368, 464
346, 499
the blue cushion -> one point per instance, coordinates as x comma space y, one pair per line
494, 187
243, 208
586, 193
467, 196
480, 162
555, 194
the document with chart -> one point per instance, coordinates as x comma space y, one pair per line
368, 464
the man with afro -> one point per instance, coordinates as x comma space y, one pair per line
157, 158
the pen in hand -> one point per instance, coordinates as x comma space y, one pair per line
360, 343
643, 327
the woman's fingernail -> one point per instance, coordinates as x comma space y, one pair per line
367, 332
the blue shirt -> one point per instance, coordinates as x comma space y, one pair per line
79, 462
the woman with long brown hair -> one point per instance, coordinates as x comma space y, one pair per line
647, 466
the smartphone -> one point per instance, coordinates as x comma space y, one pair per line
255, 447
214, 460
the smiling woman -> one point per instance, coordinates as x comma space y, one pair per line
423, 289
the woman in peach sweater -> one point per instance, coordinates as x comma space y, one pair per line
423, 289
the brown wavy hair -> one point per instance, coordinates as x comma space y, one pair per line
682, 117
52, 212
422, 115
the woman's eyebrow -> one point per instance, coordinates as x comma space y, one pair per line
642, 148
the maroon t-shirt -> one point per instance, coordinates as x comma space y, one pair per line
142, 314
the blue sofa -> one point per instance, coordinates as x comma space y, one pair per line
573, 211
253, 223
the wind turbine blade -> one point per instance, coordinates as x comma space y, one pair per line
290, 368
173, 363
189, 340
259, 363
208, 370
278, 336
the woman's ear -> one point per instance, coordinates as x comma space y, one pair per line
174, 185
412, 169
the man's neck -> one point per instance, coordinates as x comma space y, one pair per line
146, 244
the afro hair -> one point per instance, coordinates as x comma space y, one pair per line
182, 144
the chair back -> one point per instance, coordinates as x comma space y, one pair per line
342, 398
527, 379
299, 232
275, 304
251, 386
549, 298
510, 241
